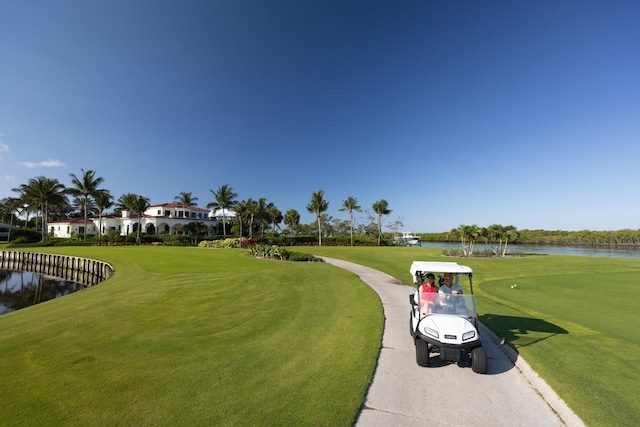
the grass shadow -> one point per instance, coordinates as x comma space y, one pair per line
521, 331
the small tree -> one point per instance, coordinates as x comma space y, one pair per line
501, 235
468, 234
292, 220
137, 205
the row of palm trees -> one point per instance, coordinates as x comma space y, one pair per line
48, 198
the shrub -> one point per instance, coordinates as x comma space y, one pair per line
298, 256
228, 243
283, 254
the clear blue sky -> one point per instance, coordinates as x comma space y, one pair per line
455, 112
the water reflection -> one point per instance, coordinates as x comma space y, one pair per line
20, 289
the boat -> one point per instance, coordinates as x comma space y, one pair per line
407, 239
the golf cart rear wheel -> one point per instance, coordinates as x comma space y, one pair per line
411, 323
422, 352
478, 360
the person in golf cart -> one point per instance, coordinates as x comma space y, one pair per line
447, 294
428, 291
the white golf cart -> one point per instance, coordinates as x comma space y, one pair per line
445, 322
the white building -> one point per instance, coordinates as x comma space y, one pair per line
157, 219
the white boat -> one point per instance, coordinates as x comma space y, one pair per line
407, 239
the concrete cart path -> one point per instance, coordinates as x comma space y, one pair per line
444, 394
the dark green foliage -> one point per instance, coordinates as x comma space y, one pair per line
298, 256
28, 235
174, 240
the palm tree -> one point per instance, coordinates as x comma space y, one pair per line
252, 210
381, 207
240, 208
186, 199
275, 216
262, 214
136, 204
291, 220
24, 204
86, 186
104, 200
9, 206
318, 205
350, 205
195, 230
223, 199
44, 193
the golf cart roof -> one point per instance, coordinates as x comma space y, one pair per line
439, 267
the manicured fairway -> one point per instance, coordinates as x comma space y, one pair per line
188, 337
574, 319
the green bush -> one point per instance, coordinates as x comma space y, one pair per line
298, 256
175, 239
28, 235
283, 254
228, 243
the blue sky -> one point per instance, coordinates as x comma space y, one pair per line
455, 112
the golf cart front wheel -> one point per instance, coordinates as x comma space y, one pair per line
478, 360
422, 352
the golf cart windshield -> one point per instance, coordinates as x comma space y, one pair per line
460, 305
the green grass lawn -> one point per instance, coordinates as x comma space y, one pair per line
574, 319
188, 337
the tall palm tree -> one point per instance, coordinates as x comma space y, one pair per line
318, 205
381, 207
24, 204
103, 200
291, 220
275, 216
240, 208
262, 214
223, 199
86, 186
45, 193
350, 205
136, 204
252, 211
9, 206
186, 198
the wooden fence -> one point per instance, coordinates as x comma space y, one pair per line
86, 271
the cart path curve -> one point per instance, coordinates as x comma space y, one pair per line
404, 394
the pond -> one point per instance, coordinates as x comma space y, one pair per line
20, 289
612, 252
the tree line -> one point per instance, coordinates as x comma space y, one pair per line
499, 236
45, 199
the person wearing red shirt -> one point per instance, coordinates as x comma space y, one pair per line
428, 291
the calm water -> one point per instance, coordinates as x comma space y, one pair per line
20, 289
547, 249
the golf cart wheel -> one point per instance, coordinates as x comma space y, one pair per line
411, 323
422, 352
479, 360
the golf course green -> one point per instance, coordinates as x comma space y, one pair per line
193, 336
